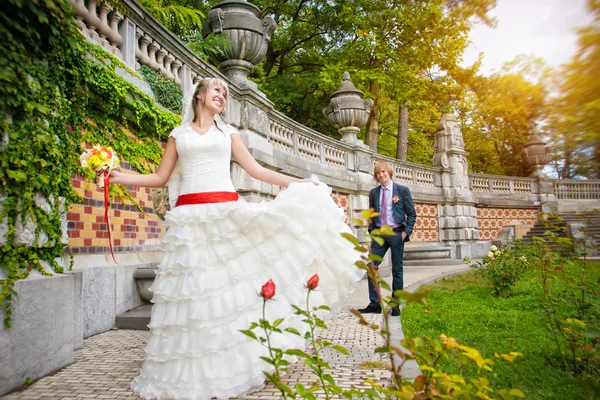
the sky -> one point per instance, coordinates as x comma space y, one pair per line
541, 27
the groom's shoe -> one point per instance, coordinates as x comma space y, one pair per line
370, 309
395, 312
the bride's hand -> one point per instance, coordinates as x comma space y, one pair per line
307, 180
115, 175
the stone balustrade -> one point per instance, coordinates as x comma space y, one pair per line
502, 185
577, 190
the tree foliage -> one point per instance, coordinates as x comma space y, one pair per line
500, 112
575, 119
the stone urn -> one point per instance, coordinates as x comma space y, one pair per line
535, 154
247, 38
347, 111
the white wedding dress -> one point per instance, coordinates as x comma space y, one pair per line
217, 257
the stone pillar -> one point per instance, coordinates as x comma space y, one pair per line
548, 201
249, 112
359, 162
185, 74
457, 215
129, 44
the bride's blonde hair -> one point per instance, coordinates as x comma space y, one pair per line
202, 88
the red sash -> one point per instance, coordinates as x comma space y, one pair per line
206, 197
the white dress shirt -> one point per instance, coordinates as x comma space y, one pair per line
388, 206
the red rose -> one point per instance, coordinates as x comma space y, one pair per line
313, 282
268, 290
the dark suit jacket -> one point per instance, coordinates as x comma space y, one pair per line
403, 209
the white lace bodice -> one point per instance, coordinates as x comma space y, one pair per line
203, 161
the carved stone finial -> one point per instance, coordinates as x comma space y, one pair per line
347, 111
216, 16
269, 26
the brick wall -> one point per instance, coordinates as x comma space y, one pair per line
426, 228
490, 220
132, 230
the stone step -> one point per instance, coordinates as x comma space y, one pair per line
136, 319
426, 251
432, 262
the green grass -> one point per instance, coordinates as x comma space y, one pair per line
464, 308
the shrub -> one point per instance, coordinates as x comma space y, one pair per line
501, 269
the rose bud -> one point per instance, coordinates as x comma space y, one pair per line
313, 282
268, 290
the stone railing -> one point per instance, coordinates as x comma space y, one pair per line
418, 177
290, 137
577, 190
502, 185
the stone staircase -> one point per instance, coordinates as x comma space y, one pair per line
562, 227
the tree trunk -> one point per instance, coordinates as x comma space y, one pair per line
373, 125
402, 144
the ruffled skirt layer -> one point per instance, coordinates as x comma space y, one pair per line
217, 257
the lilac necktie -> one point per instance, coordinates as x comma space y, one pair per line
383, 211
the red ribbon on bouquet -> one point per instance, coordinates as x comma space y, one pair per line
106, 176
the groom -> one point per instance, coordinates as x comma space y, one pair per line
394, 204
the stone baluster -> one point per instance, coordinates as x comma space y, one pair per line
160, 60
104, 27
81, 12
92, 20
168, 66
115, 36
152, 49
141, 52
295, 142
322, 153
176, 67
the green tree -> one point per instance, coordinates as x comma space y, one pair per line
500, 112
575, 120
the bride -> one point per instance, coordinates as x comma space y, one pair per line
218, 253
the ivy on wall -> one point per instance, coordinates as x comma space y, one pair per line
167, 93
57, 92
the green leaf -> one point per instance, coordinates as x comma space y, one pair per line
249, 333
298, 353
351, 238
18, 176
341, 349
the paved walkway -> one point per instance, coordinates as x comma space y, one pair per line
108, 361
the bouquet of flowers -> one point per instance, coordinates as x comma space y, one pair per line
100, 159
